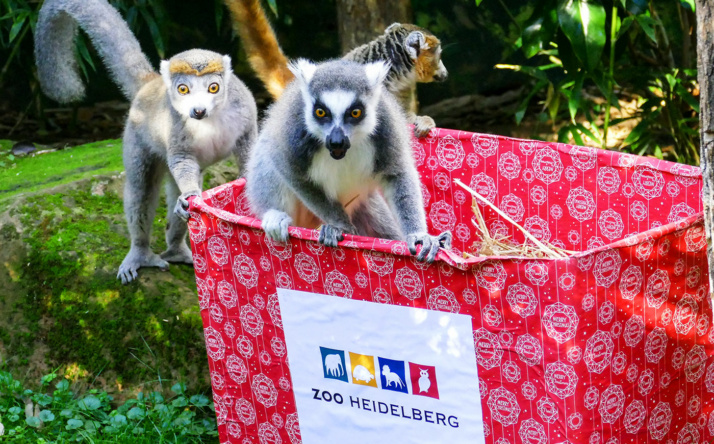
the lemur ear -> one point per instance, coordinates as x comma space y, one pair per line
165, 72
303, 70
392, 27
227, 69
415, 43
377, 72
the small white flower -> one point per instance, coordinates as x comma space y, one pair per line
2, 429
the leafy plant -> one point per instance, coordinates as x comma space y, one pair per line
56, 414
586, 56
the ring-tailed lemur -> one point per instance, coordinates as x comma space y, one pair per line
414, 55
194, 113
337, 142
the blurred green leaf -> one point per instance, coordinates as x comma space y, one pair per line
90, 403
274, 7
637, 6
647, 24
15, 30
584, 25
74, 424
47, 416
574, 96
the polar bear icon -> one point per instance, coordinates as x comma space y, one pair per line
392, 377
333, 365
360, 373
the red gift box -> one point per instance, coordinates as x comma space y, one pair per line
611, 345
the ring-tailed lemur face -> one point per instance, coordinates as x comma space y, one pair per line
340, 101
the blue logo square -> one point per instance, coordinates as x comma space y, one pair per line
392, 375
333, 364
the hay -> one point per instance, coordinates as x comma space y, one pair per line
499, 245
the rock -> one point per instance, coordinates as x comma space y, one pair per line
99, 188
23, 148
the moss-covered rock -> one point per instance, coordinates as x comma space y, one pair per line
62, 238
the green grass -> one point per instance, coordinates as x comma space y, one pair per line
85, 316
28, 174
67, 310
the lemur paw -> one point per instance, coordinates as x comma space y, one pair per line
429, 245
181, 208
275, 224
136, 259
331, 235
181, 254
422, 125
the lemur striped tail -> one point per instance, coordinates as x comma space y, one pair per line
258, 38
54, 48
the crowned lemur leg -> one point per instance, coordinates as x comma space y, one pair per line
186, 173
176, 248
141, 195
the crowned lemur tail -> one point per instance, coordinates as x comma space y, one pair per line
191, 114
337, 142
414, 55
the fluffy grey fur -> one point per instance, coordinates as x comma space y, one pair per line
180, 121
54, 48
329, 163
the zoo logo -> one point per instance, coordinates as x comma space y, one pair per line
391, 373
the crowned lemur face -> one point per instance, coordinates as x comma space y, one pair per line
197, 93
340, 102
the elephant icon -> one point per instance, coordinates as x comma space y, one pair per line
333, 365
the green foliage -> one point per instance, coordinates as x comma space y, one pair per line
585, 56
61, 415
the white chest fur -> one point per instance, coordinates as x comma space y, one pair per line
346, 178
213, 138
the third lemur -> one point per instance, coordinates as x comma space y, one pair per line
414, 55
195, 112
338, 143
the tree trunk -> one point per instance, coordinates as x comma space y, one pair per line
705, 64
360, 21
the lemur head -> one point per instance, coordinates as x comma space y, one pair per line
340, 99
197, 81
424, 48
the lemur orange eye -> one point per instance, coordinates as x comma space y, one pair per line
356, 113
319, 112
183, 89
213, 88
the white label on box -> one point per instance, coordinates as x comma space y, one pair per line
365, 372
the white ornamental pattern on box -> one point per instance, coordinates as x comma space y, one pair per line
621, 335
504, 406
560, 322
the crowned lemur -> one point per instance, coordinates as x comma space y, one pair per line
195, 112
414, 55
337, 142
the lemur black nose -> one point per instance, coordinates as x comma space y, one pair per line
338, 143
198, 113
440, 77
